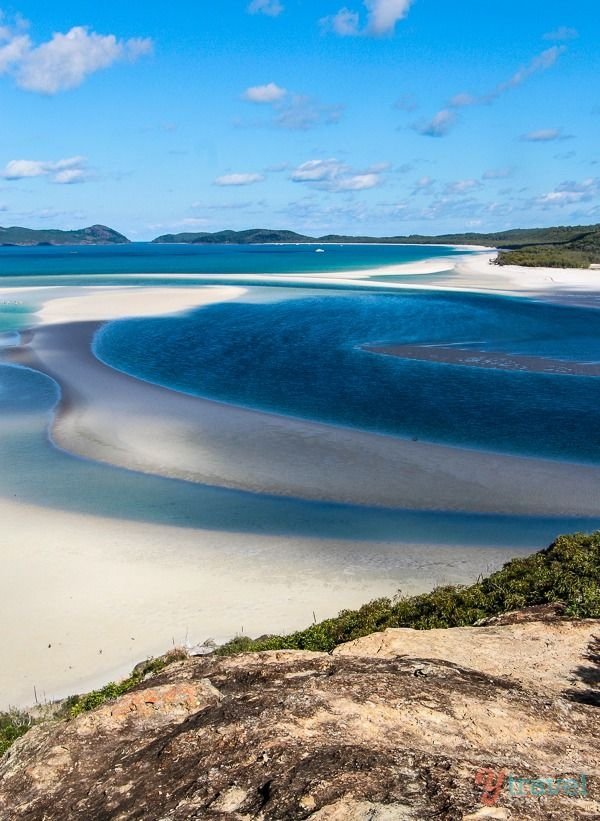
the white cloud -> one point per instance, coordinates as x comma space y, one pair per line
300, 113
544, 135
562, 33
12, 50
317, 170
64, 61
70, 176
64, 172
333, 175
239, 179
443, 122
272, 8
570, 192
357, 182
382, 16
439, 125
423, 184
269, 93
295, 112
461, 186
345, 23
462, 100
541, 62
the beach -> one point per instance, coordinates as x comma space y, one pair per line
93, 594
109, 416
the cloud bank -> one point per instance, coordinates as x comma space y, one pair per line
63, 172
64, 61
333, 175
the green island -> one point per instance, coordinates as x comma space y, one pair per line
557, 247
93, 235
566, 573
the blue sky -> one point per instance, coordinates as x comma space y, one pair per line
369, 116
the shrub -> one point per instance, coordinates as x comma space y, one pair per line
13, 724
568, 571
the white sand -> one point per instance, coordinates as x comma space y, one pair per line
468, 272
476, 273
111, 417
105, 593
94, 304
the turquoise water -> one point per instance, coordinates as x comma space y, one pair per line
13, 314
145, 258
35, 472
302, 357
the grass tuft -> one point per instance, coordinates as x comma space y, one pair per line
13, 724
75, 705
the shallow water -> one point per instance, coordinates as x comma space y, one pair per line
28, 264
303, 357
35, 472
297, 351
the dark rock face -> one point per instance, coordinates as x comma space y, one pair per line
296, 735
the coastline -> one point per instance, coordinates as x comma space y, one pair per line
108, 416
75, 577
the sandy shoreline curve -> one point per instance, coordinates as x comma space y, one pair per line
89, 595
108, 416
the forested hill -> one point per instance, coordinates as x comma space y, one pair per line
94, 235
511, 239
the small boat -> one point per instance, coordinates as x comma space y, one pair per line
319, 250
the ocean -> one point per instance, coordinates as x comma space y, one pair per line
298, 351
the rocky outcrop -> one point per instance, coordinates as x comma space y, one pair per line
398, 725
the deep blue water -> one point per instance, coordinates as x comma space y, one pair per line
300, 357
146, 258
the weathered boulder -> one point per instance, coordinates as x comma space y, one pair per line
401, 725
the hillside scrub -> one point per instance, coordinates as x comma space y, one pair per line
568, 571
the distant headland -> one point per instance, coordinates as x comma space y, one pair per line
559, 247
94, 235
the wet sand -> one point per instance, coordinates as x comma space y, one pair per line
87, 596
109, 416
495, 360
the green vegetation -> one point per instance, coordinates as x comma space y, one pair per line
13, 725
568, 571
248, 237
578, 251
75, 705
94, 235
513, 239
